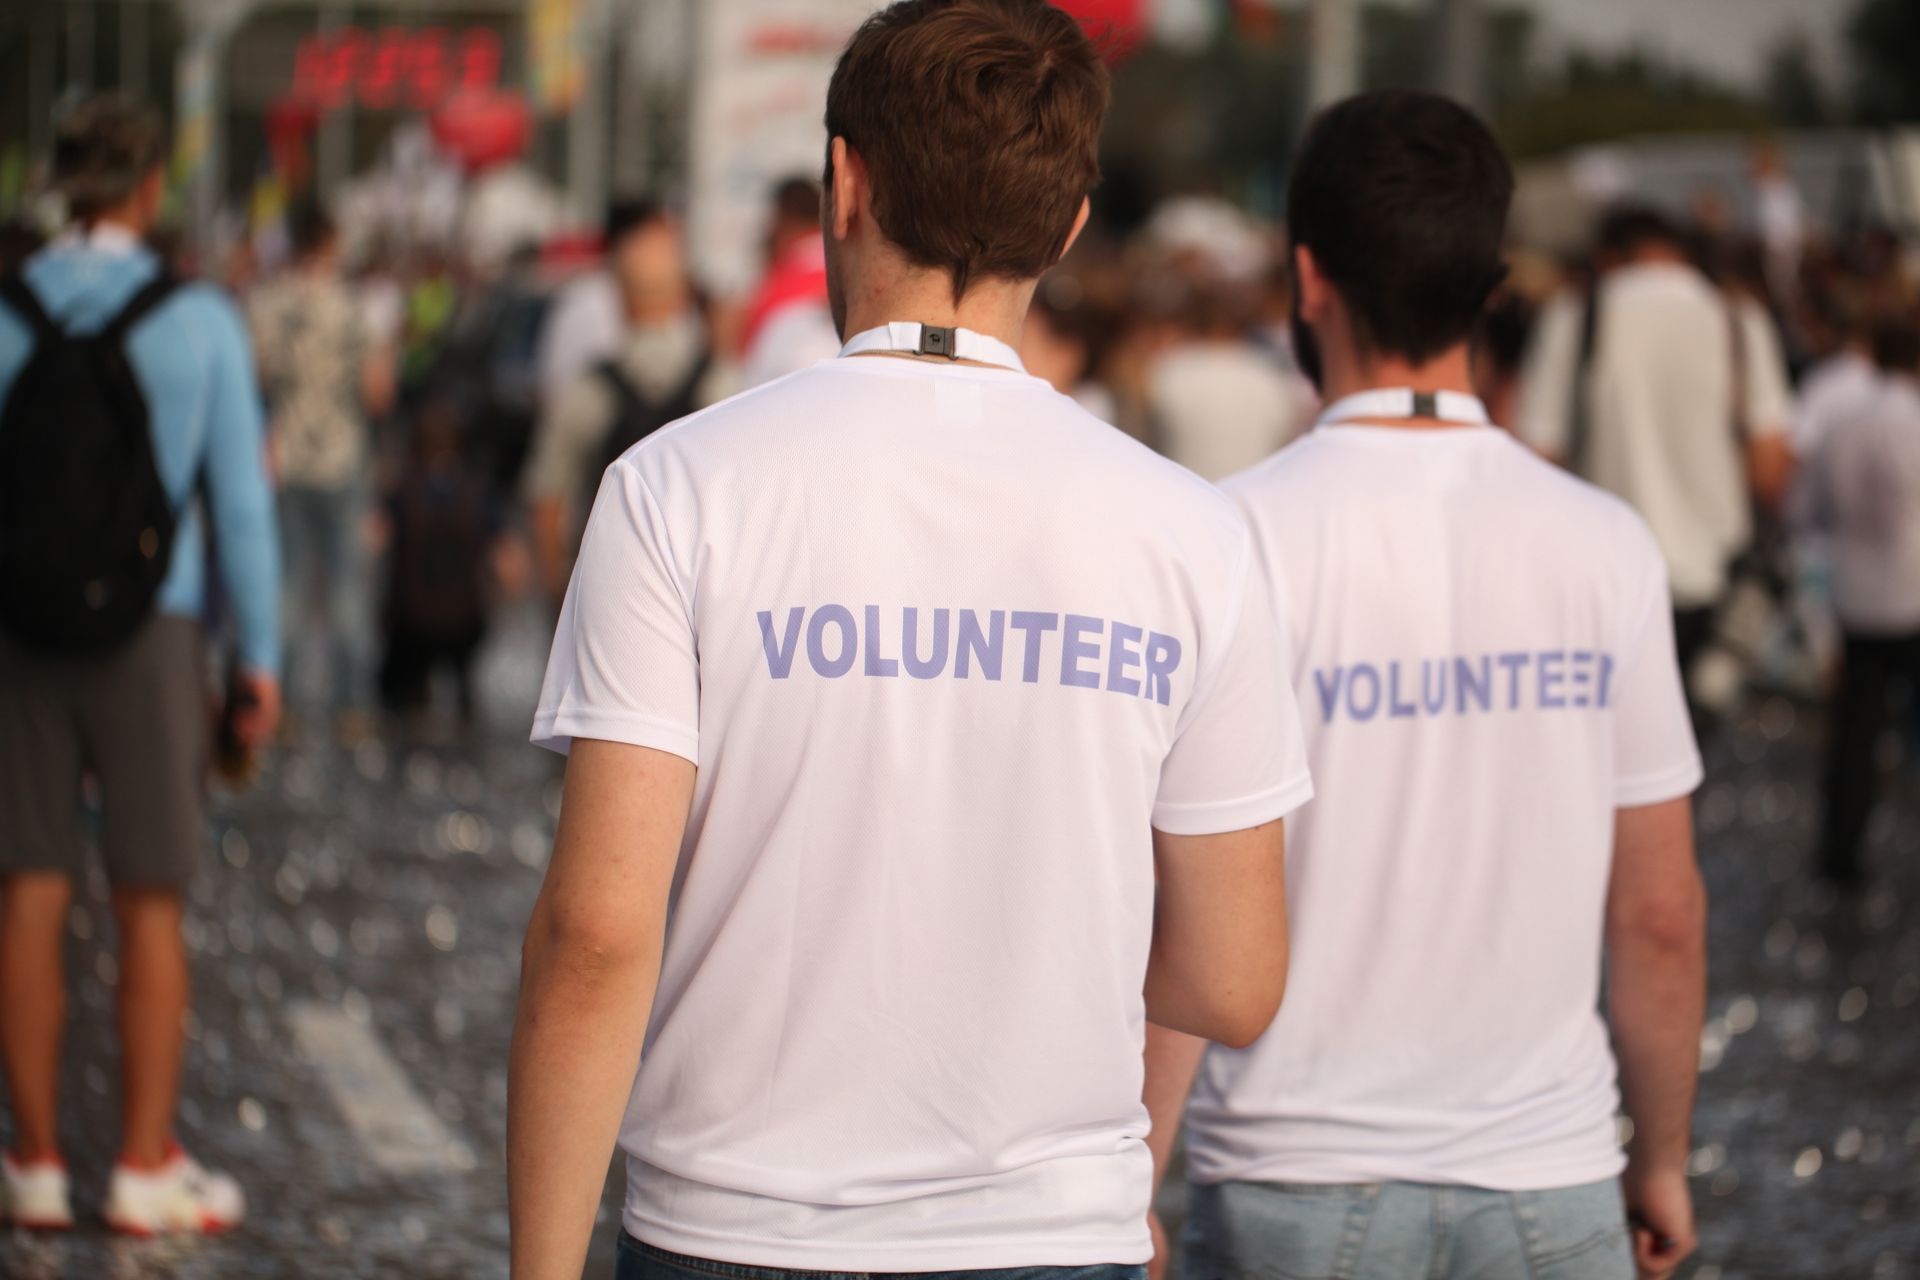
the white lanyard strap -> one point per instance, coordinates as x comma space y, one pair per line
1403, 402
930, 340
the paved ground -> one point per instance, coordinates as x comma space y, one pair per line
355, 950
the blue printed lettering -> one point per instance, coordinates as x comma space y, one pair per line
835, 615
1433, 686
910, 644
1481, 688
1327, 682
1353, 692
1033, 625
1075, 648
986, 646
877, 663
1604, 698
1551, 666
1397, 707
1513, 662
1120, 657
1163, 655
780, 653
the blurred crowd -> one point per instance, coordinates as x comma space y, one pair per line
438, 430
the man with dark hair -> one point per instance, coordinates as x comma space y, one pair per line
1863, 491
1494, 717
326, 379
1662, 391
661, 367
892, 689
129, 704
589, 317
788, 325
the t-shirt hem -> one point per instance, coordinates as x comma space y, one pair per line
1234, 815
881, 1256
557, 730
1653, 788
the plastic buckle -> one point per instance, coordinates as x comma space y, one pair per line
1426, 404
936, 341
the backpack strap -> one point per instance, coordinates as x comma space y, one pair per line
140, 306
18, 295
629, 402
1580, 414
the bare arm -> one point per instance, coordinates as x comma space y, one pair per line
1172, 1061
1770, 467
1656, 995
1219, 961
588, 971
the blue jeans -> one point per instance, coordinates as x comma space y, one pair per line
644, 1262
329, 591
1404, 1231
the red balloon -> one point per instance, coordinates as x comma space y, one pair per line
483, 128
1117, 26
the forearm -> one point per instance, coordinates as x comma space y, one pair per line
1173, 1059
577, 1038
1657, 1002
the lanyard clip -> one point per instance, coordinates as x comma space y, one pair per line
936, 341
1426, 404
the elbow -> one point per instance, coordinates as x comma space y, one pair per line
584, 945
1239, 1015
1674, 926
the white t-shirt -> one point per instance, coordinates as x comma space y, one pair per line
796, 336
1483, 652
1220, 407
586, 326
1660, 390
1834, 389
1865, 482
945, 648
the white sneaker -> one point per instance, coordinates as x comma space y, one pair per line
179, 1196
35, 1196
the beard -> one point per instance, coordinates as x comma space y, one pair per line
1306, 348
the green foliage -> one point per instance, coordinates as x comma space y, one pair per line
1600, 100
1884, 38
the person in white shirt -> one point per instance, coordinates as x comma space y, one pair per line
1864, 495
1220, 403
928, 736
1673, 398
589, 318
1482, 647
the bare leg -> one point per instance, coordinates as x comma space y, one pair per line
153, 1004
33, 1005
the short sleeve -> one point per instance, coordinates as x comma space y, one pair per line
1654, 755
1240, 759
625, 665
564, 439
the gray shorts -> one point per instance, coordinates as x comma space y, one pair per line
138, 720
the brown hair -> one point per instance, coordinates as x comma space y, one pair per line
979, 121
103, 150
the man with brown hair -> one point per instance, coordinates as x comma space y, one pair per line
99, 348
891, 689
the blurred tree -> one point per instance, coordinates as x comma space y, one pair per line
1884, 36
1605, 99
1795, 93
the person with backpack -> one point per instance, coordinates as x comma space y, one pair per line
131, 423
663, 369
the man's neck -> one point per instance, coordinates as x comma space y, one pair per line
1353, 375
996, 308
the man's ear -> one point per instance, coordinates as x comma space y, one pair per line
1079, 225
846, 189
1311, 286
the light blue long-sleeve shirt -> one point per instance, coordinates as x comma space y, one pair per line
194, 363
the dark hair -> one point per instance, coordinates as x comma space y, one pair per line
628, 215
796, 201
979, 121
1402, 196
103, 150
309, 228
1896, 345
1627, 228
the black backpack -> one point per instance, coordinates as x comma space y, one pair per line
636, 416
86, 525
